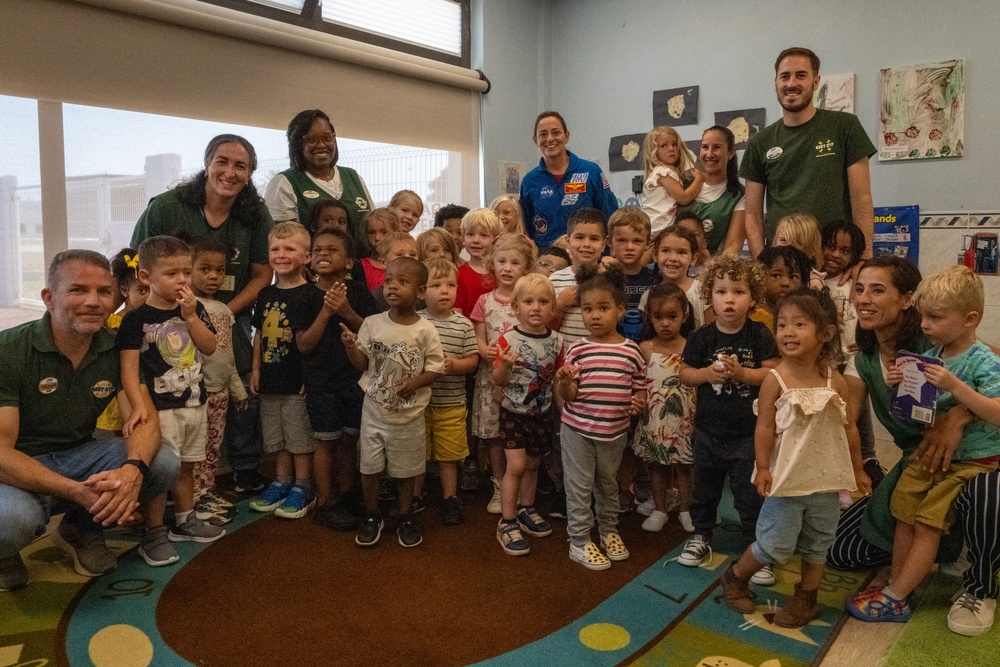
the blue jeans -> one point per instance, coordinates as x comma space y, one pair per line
805, 525
24, 515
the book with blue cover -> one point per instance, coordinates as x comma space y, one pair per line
915, 398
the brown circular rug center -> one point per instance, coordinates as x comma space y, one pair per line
279, 592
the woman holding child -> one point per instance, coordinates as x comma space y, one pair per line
315, 175
888, 322
719, 203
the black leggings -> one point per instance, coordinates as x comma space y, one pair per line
978, 508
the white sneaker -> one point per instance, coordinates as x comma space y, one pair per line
646, 507
764, 577
493, 507
970, 616
655, 522
686, 523
589, 556
696, 552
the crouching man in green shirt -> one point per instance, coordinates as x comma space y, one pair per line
57, 375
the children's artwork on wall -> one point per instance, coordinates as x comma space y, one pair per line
510, 177
835, 92
922, 111
625, 152
676, 106
744, 123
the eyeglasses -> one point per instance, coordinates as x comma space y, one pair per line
317, 139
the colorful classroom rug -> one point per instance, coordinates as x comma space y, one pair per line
646, 611
926, 640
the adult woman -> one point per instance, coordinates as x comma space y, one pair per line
560, 184
888, 323
314, 175
220, 201
719, 204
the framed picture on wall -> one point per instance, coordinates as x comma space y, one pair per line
510, 177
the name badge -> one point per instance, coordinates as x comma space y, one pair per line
48, 385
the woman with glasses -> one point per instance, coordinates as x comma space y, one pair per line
315, 175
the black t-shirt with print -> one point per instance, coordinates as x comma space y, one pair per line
280, 359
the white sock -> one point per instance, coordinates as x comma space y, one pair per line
181, 517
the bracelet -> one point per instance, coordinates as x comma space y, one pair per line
138, 463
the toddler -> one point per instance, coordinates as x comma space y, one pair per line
665, 158
508, 208
602, 385
694, 224
450, 217
480, 227
673, 251
551, 260
628, 236
801, 231
408, 207
437, 242
785, 270
379, 224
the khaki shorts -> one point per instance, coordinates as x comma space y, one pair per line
186, 429
399, 449
447, 439
930, 497
285, 424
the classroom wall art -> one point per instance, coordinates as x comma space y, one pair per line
675, 106
835, 92
625, 152
744, 123
922, 111
510, 177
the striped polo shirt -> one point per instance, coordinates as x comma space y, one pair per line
458, 339
572, 327
609, 375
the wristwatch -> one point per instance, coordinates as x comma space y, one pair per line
138, 463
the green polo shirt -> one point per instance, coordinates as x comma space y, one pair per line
58, 405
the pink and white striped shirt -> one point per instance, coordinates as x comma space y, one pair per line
609, 375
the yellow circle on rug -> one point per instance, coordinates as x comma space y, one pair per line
121, 646
604, 637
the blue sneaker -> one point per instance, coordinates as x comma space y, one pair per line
510, 538
532, 522
298, 501
271, 498
877, 607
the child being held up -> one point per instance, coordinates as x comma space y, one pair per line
923, 502
400, 354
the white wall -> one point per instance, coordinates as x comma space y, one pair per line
609, 56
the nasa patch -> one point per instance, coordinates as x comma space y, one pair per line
547, 191
773, 153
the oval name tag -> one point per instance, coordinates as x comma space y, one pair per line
310, 194
773, 153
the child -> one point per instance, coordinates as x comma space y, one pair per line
379, 224
130, 293
513, 256
450, 218
447, 441
551, 260
726, 360
806, 449
408, 207
801, 231
400, 354
587, 230
437, 242
951, 307
663, 439
673, 251
602, 385
785, 268
524, 367
665, 158
480, 227
508, 208
333, 397
328, 214
276, 376
165, 339
628, 236
694, 224
211, 259
843, 245
393, 246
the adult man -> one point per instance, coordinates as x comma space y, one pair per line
811, 161
57, 375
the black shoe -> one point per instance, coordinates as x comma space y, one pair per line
874, 471
408, 532
370, 532
453, 512
248, 481
343, 514
558, 509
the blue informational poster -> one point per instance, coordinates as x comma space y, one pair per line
897, 232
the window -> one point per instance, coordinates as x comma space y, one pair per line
435, 29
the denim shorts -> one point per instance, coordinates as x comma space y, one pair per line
796, 524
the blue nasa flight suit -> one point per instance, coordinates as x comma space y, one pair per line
548, 203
